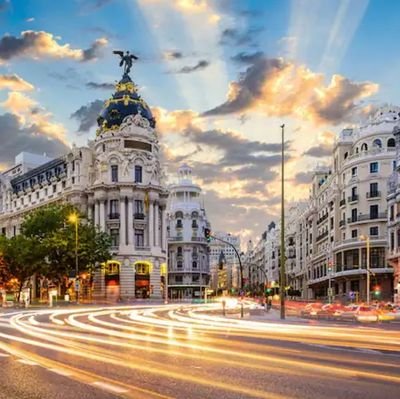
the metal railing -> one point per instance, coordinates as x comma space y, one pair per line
374, 194
353, 198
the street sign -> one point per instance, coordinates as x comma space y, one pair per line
352, 294
330, 291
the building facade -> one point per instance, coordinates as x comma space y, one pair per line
116, 181
188, 256
394, 219
227, 277
326, 239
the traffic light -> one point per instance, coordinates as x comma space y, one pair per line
268, 291
207, 234
377, 290
330, 266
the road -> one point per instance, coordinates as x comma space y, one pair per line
191, 351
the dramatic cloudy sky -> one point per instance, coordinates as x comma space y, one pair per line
220, 75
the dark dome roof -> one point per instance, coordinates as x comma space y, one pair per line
124, 102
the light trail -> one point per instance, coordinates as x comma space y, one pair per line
142, 339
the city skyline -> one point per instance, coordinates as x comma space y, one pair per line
215, 75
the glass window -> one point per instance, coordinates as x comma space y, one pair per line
354, 233
138, 206
114, 205
373, 231
139, 238
391, 142
377, 143
114, 173
138, 174
373, 167
194, 265
354, 215
114, 235
364, 147
353, 172
374, 211
373, 189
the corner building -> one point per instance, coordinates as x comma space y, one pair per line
188, 256
117, 181
349, 205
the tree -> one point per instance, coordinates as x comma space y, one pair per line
20, 259
46, 220
56, 236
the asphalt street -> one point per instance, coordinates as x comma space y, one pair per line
189, 351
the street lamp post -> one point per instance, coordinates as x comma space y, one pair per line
366, 239
282, 268
74, 219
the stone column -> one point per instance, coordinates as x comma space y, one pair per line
155, 280
130, 221
127, 279
156, 225
151, 225
90, 209
164, 229
96, 213
102, 215
122, 222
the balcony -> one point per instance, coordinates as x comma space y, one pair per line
138, 216
374, 194
175, 238
195, 226
113, 216
322, 218
342, 202
322, 236
179, 226
353, 198
366, 217
342, 223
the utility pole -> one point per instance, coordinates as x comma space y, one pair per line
366, 239
282, 268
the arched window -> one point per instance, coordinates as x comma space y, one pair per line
391, 142
364, 147
346, 154
179, 251
194, 265
195, 215
377, 143
356, 150
179, 215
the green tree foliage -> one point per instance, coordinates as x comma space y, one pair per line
20, 259
54, 235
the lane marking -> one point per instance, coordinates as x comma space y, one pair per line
345, 349
61, 372
109, 387
28, 362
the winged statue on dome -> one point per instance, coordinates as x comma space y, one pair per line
126, 60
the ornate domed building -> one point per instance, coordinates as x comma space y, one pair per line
127, 198
117, 181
